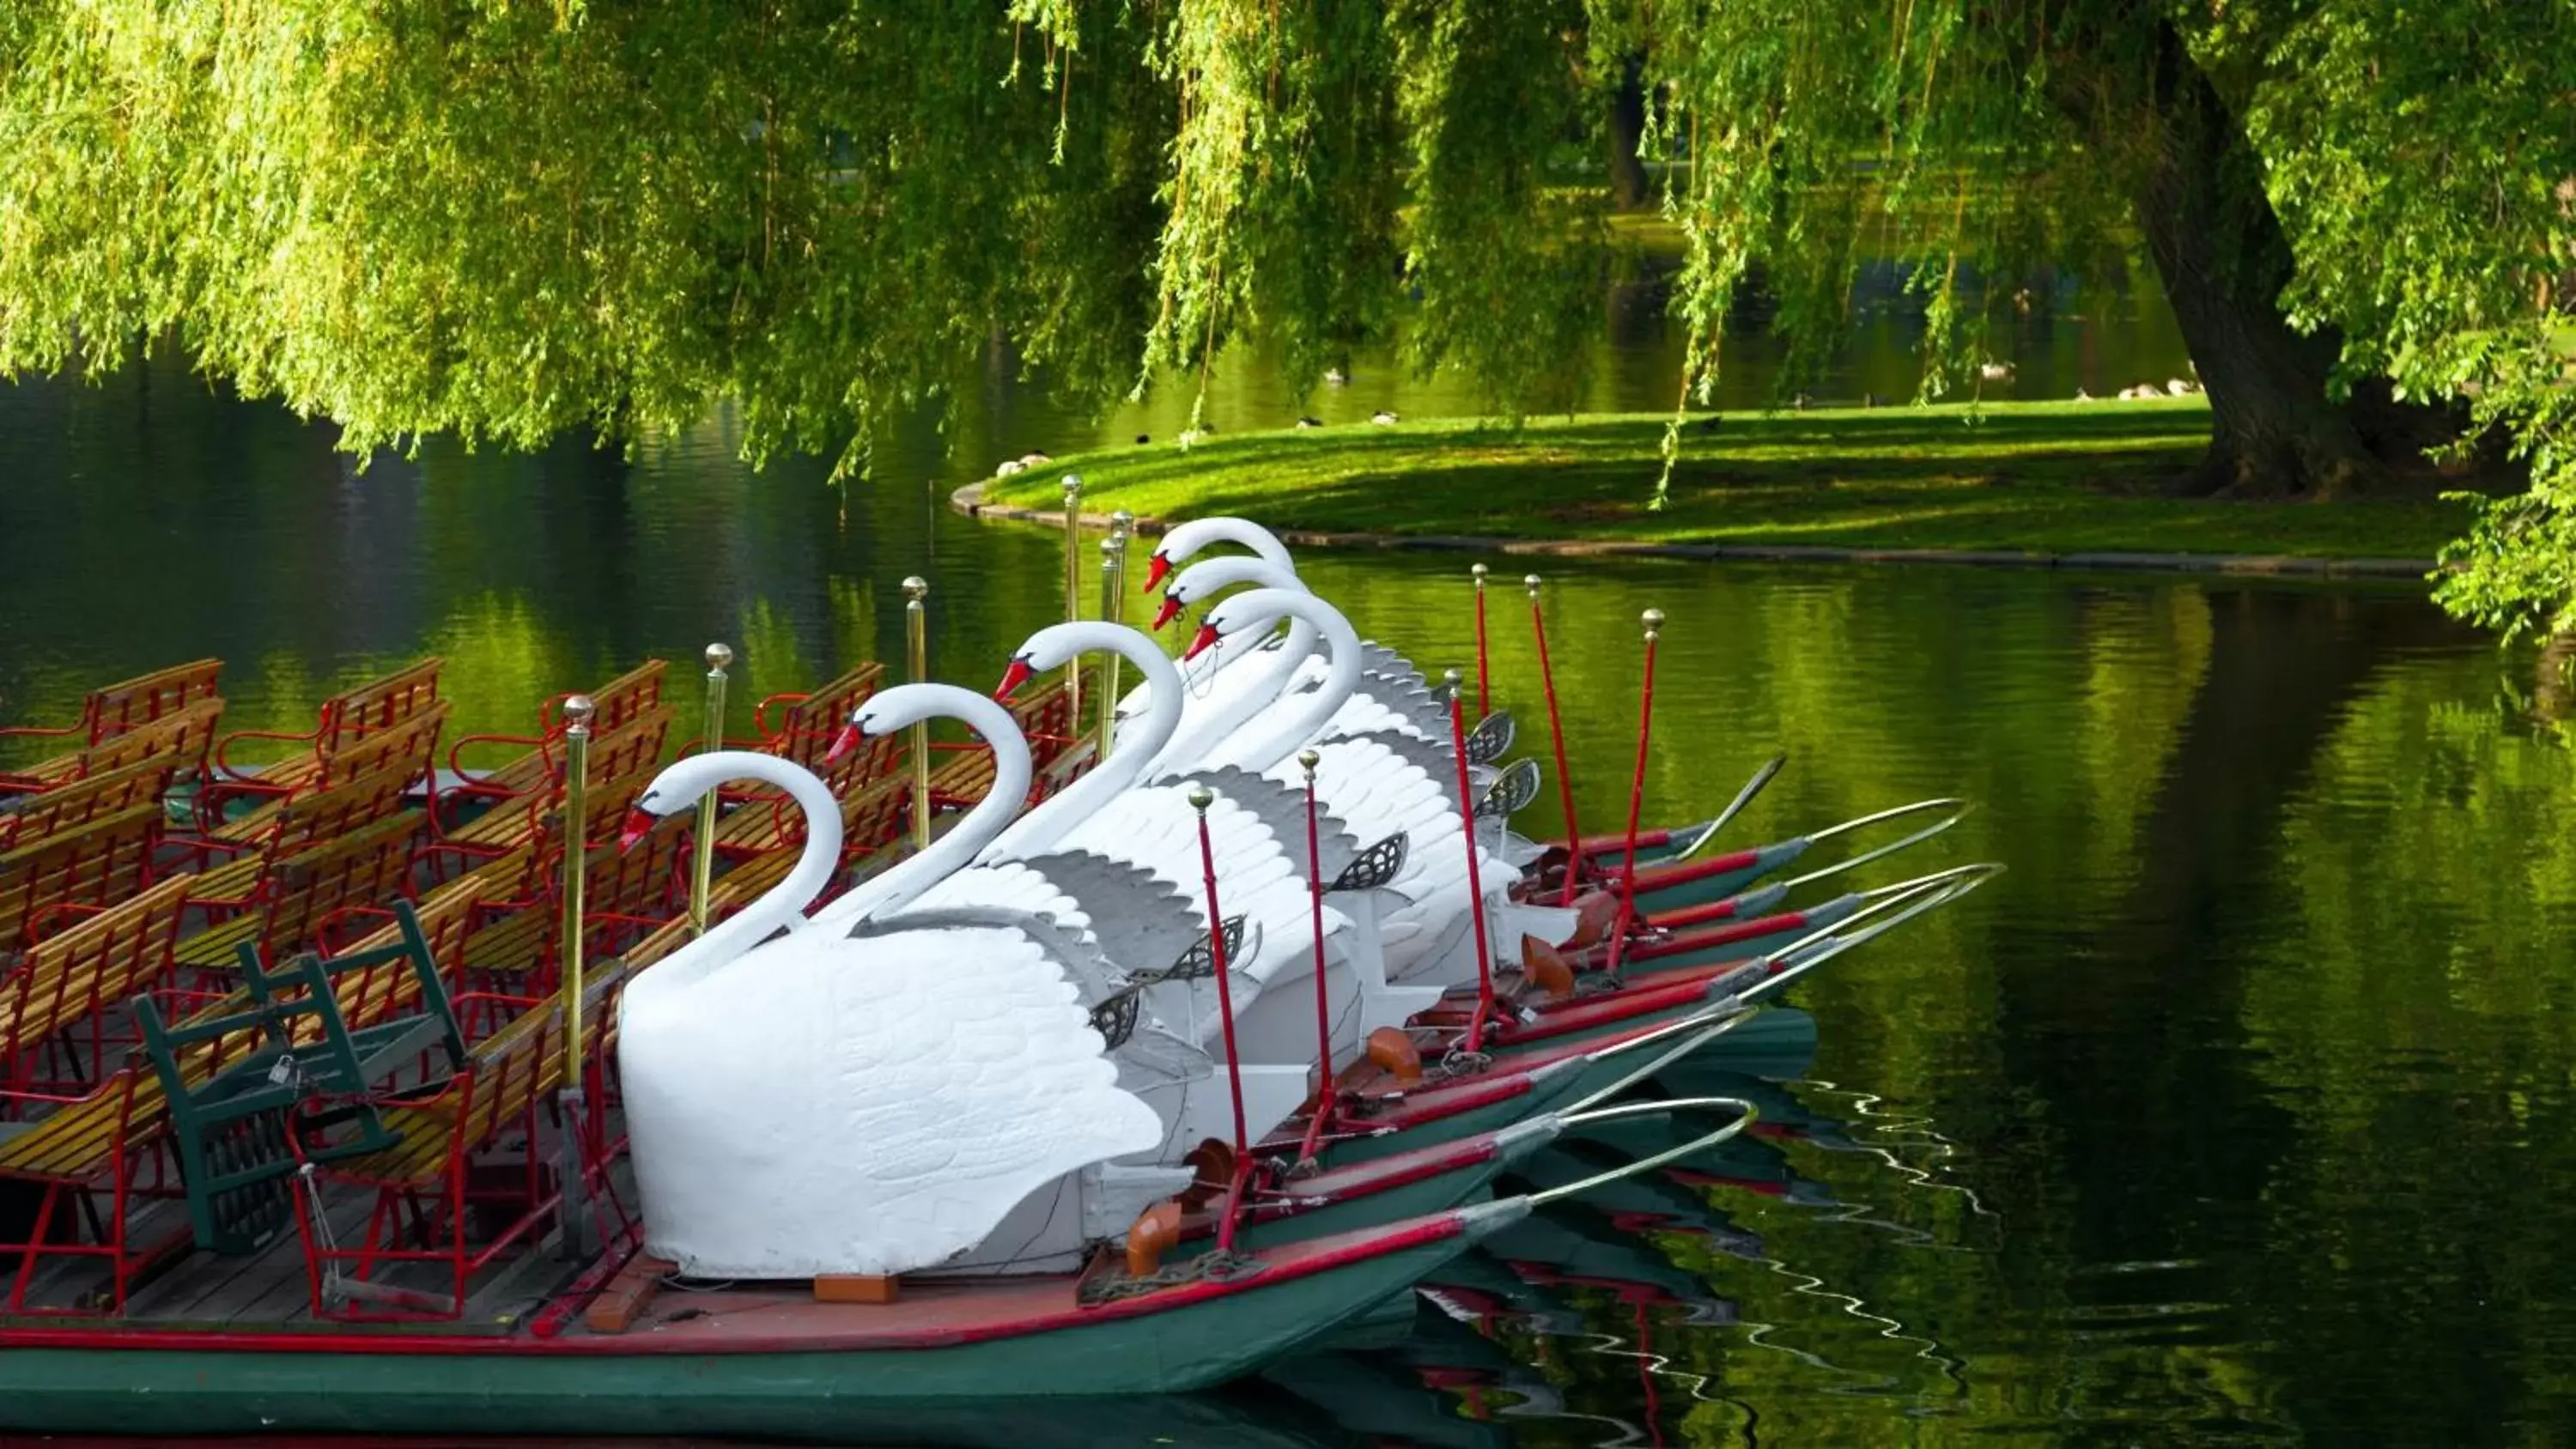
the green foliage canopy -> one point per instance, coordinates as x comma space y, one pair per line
504, 220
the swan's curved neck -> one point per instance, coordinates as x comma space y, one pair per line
1050, 821
1341, 678
900, 706
1211, 727
782, 904
1208, 726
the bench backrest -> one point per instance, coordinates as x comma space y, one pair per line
304, 890
79, 973
614, 703
91, 865
93, 797
122, 706
309, 819
378, 704
181, 737
801, 727
412, 740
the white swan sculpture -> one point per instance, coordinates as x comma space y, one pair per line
825, 1105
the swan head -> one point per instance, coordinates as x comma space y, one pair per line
1204, 580
1255, 611
1052, 647
675, 789
889, 710
1186, 539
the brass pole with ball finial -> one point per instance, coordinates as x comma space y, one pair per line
702, 863
1073, 594
573, 1099
916, 654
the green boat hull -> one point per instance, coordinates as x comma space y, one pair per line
185, 1391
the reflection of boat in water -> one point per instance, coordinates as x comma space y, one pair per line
1434, 1388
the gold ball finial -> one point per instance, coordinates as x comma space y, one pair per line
1653, 619
1310, 758
1201, 797
719, 654
1072, 486
1110, 548
577, 711
916, 587
1122, 523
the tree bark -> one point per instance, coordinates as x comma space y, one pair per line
2219, 250
1628, 182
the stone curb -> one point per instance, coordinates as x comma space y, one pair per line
969, 501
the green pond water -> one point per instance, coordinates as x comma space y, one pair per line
2239, 1109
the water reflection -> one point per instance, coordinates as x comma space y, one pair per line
2239, 1108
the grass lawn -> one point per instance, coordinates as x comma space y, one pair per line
2059, 477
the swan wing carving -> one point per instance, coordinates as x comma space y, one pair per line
1138, 919
1093, 974
858, 1114
1281, 809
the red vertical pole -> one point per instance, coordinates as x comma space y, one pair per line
1654, 622
1201, 797
1475, 885
1484, 674
1556, 735
1321, 1111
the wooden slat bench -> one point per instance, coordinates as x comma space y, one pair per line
624, 891
297, 895
622, 762
83, 801
396, 757
343, 720
86, 867
112, 711
74, 977
613, 706
1043, 716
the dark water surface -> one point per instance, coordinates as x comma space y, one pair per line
2240, 1109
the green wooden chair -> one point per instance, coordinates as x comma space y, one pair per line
303, 1088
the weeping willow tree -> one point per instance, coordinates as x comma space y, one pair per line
505, 220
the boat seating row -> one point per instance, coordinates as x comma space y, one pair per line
104, 1143
343, 720
625, 891
111, 712
396, 757
297, 897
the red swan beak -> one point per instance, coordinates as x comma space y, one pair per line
639, 823
1012, 678
1207, 636
842, 743
1157, 569
1171, 610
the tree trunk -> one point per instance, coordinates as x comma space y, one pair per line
2220, 253
1628, 183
